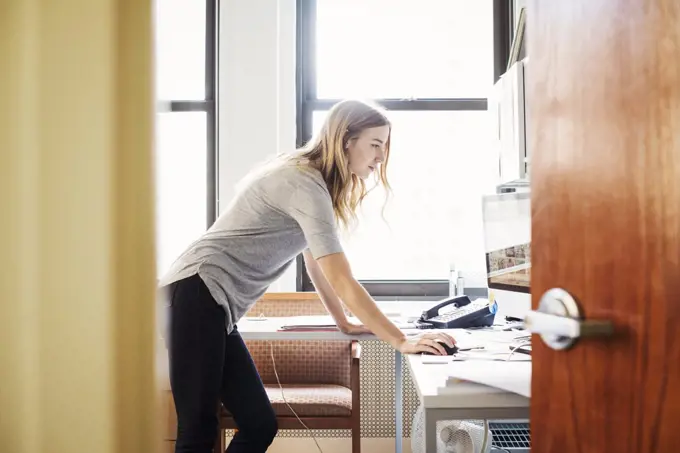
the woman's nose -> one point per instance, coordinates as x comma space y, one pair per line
380, 155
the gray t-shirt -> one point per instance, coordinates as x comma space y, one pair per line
279, 212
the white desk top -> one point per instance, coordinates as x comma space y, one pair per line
270, 329
430, 382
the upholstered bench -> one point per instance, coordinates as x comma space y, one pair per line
320, 379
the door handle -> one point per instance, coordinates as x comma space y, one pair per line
559, 323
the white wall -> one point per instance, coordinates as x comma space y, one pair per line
257, 92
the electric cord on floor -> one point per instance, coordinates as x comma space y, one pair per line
271, 350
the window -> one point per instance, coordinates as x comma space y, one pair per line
421, 216
404, 49
181, 49
181, 182
186, 138
432, 66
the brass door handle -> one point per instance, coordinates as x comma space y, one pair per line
559, 323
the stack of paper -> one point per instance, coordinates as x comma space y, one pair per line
311, 328
512, 377
309, 323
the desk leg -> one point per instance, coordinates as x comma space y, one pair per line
398, 401
430, 422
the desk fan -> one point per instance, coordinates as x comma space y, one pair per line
453, 436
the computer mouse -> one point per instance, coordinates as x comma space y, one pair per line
449, 350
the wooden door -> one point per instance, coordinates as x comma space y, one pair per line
604, 124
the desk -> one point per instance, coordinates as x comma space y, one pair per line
465, 400
269, 329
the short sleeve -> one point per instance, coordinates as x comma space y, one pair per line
311, 207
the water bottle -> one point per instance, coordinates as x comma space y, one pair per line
460, 284
453, 280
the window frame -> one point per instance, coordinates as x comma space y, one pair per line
208, 105
307, 103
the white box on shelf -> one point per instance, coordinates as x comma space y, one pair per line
508, 107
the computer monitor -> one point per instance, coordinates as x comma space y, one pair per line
507, 241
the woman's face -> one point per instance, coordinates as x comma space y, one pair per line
366, 151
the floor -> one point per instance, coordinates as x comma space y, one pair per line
335, 445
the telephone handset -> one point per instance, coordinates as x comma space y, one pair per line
459, 313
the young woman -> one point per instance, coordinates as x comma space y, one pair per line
291, 205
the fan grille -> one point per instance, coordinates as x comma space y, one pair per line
513, 437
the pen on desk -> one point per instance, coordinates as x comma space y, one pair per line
513, 319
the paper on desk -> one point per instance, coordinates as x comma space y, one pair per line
436, 359
307, 321
308, 329
323, 322
512, 377
502, 356
495, 336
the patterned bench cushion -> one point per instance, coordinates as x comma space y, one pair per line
310, 400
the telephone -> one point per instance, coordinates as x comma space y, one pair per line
459, 313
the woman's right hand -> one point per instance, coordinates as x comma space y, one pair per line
427, 342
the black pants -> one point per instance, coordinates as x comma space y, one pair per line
208, 366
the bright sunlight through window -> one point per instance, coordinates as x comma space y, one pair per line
441, 161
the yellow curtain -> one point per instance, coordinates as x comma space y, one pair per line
77, 270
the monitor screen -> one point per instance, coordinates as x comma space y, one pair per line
507, 241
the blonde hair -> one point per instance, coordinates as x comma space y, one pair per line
327, 152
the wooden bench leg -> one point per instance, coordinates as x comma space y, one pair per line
220, 442
356, 439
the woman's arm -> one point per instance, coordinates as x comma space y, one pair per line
328, 296
338, 274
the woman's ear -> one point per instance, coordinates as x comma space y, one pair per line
348, 141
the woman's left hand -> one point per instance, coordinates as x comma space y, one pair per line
353, 329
